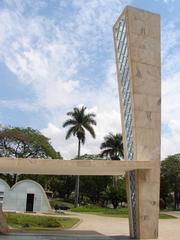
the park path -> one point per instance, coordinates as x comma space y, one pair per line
169, 229
175, 214
104, 225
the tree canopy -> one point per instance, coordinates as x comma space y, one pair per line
112, 147
170, 180
79, 121
91, 157
25, 143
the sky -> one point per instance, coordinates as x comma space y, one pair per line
59, 54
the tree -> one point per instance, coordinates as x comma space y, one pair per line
79, 122
93, 186
25, 143
170, 179
91, 157
115, 194
62, 186
112, 147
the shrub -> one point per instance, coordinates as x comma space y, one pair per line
25, 225
50, 223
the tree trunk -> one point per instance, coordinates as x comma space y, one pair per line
76, 197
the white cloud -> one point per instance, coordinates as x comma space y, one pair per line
105, 105
54, 57
57, 136
51, 57
170, 88
170, 143
49, 64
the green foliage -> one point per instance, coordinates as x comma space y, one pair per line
118, 212
170, 181
92, 186
112, 147
22, 220
38, 222
78, 122
117, 194
166, 216
63, 186
25, 143
91, 157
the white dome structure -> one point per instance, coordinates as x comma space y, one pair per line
24, 196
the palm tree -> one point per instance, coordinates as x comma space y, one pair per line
112, 147
79, 122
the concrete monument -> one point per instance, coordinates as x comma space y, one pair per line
137, 49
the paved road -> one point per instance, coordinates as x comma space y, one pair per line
109, 226
169, 229
175, 214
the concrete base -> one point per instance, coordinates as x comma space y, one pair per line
3, 224
148, 184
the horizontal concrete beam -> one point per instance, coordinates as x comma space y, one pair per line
71, 167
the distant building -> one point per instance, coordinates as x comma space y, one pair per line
24, 196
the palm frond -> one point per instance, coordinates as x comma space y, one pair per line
112, 146
70, 132
80, 121
89, 121
105, 153
81, 134
69, 122
90, 129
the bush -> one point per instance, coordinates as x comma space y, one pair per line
19, 221
25, 225
50, 223
27, 221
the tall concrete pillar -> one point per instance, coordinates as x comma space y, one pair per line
137, 49
3, 223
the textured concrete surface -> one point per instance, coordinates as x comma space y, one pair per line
143, 82
70, 167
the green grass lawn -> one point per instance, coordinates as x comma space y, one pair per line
32, 222
119, 212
